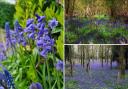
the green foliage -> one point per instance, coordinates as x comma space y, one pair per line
59, 43
95, 31
70, 37
27, 9
121, 87
72, 84
99, 17
6, 13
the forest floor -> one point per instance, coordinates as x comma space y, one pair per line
96, 78
84, 31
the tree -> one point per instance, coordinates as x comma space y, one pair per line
6, 13
68, 57
122, 62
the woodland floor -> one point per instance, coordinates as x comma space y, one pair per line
87, 31
97, 78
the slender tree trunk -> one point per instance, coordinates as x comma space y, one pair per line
102, 57
111, 64
122, 63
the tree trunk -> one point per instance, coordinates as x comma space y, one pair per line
122, 63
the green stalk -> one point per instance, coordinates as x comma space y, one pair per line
58, 82
32, 62
44, 78
49, 79
54, 85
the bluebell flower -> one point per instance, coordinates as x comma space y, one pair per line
29, 21
42, 26
46, 31
2, 56
59, 65
24, 43
35, 86
30, 28
40, 18
17, 26
2, 76
45, 43
39, 43
53, 23
31, 35
9, 79
19, 34
2, 48
8, 35
43, 32
38, 25
37, 16
44, 53
7, 28
1, 87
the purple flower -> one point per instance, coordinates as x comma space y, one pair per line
38, 25
2, 49
39, 18
39, 43
2, 56
1, 87
8, 35
7, 28
43, 32
35, 86
17, 26
18, 34
45, 43
30, 28
44, 53
53, 23
29, 21
31, 35
46, 31
42, 26
9, 79
59, 65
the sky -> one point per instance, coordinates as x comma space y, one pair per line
11, 1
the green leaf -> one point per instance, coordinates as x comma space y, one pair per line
56, 31
60, 42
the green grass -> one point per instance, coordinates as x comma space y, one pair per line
72, 84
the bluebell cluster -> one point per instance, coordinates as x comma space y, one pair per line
36, 86
14, 36
8, 35
6, 80
81, 23
9, 79
18, 34
36, 30
2, 52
